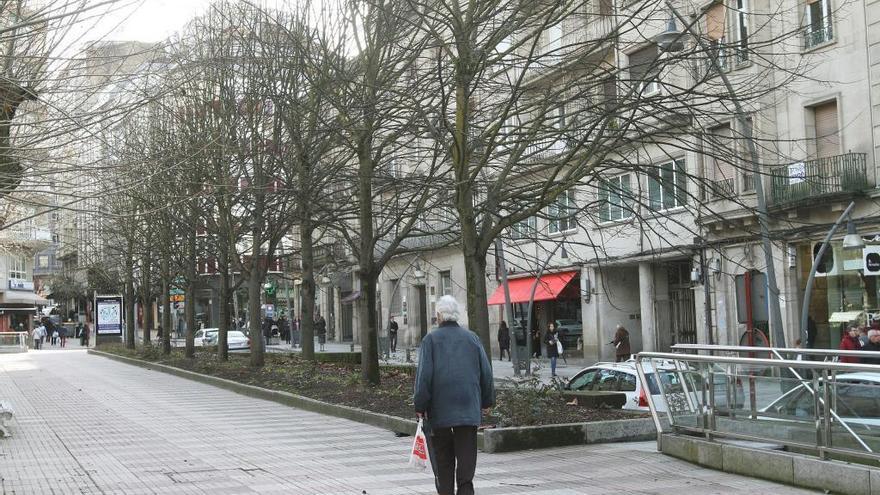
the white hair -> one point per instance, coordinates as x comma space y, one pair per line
448, 309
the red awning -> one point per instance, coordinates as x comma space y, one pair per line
549, 287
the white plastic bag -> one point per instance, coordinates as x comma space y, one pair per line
418, 457
559, 347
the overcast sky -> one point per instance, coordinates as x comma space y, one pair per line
150, 20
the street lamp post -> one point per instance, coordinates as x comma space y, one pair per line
671, 41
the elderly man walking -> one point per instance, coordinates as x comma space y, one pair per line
453, 384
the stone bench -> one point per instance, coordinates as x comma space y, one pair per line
596, 399
5, 415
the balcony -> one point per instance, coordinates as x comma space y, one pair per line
823, 177
720, 189
816, 36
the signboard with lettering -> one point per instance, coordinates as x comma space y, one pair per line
108, 315
20, 284
797, 173
871, 260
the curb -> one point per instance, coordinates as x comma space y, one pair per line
489, 441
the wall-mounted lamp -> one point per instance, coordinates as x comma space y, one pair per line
417, 271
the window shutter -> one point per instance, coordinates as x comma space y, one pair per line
715, 22
719, 145
643, 64
827, 136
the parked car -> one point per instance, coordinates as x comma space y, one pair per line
235, 340
856, 397
623, 377
203, 334
569, 332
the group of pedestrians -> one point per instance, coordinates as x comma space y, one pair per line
47, 331
290, 331
860, 338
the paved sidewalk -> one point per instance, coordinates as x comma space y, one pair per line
86, 424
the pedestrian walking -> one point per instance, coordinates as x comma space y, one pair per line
553, 346
54, 337
850, 342
503, 341
392, 334
621, 344
453, 384
297, 326
62, 336
321, 331
84, 336
38, 335
872, 345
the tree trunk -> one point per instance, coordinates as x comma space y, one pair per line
255, 283
166, 305
223, 326
475, 276
147, 296
129, 303
369, 328
307, 311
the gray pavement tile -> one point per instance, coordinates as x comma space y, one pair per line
85, 424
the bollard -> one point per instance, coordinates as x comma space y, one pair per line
408, 355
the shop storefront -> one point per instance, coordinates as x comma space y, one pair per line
843, 291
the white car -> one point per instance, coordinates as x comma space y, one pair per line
203, 335
235, 340
856, 397
622, 377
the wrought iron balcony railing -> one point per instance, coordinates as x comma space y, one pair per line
832, 175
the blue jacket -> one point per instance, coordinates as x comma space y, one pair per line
454, 377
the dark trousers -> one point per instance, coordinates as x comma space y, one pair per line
502, 351
455, 459
392, 341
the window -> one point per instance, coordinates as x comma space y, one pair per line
17, 267
716, 33
445, 283
721, 172
525, 229
644, 71
827, 141
584, 381
741, 31
615, 198
558, 121
562, 213
43, 261
817, 29
667, 186
395, 306
553, 43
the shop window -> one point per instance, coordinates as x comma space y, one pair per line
667, 186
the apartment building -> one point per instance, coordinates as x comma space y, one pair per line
665, 243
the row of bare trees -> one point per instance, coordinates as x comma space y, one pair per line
375, 122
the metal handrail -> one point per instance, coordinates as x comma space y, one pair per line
824, 366
784, 350
22, 338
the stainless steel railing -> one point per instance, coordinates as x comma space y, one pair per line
826, 408
13, 342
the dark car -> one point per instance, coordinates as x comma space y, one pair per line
569, 332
